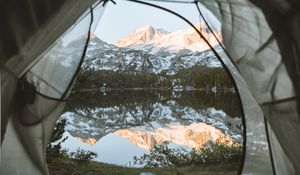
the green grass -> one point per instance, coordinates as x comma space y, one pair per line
69, 167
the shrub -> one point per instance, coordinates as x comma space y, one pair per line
54, 149
163, 156
219, 153
82, 156
56, 152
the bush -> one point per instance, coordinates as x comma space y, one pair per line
54, 149
220, 153
163, 156
56, 152
82, 156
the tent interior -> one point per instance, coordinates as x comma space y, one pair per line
261, 45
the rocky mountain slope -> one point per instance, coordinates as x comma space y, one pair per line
151, 50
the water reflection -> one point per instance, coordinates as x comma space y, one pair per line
227, 101
121, 124
110, 149
195, 135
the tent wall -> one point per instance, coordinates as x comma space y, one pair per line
22, 19
27, 124
34, 44
256, 52
257, 158
283, 17
8, 85
23, 149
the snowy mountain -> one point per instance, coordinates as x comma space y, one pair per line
153, 40
150, 50
143, 35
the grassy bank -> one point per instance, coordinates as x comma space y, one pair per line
69, 167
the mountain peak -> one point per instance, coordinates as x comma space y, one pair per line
178, 40
145, 27
142, 35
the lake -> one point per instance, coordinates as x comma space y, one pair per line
119, 124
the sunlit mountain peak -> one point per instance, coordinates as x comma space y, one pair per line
189, 39
143, 35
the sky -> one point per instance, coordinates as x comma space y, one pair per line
124, 17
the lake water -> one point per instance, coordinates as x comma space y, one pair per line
120, 124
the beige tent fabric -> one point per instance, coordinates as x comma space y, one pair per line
282, 164
23, 149
284, 122
254, 49
55, 68
284, 18
46, 36
257, 158
8, 87
27, 127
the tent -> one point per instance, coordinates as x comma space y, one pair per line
262, 46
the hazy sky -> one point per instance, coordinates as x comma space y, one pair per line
118, 20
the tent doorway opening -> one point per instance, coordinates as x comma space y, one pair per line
152, 94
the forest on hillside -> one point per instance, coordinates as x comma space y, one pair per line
197, 77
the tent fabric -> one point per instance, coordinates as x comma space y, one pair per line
22, 20
282, 164
257, 52
36, 43
54, 70
257, 157
284, 19
8, 85
23, 149
48, 63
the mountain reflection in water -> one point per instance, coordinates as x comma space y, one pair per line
195, 135
119, 125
